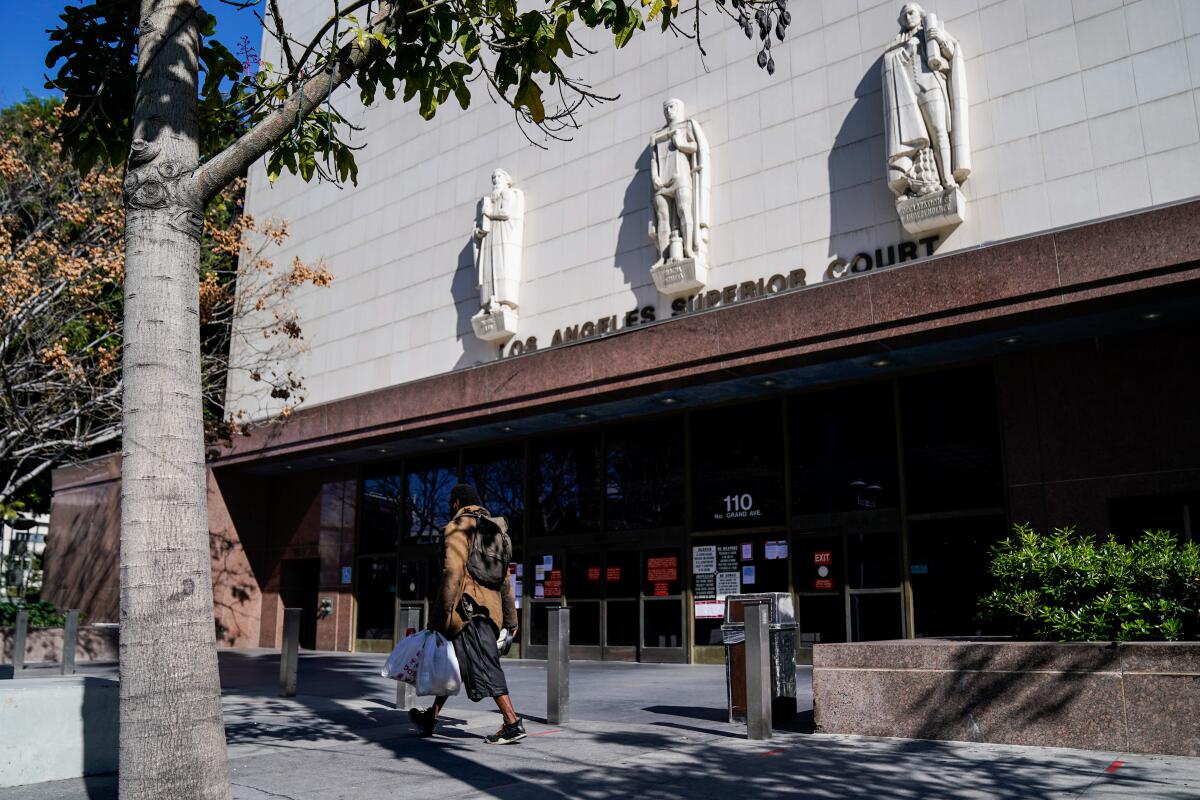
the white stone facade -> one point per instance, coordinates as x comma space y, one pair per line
1079, 109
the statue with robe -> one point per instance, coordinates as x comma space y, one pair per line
926, 137
499, 235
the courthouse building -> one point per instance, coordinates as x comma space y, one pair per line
831, 331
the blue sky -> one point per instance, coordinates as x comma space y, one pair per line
25, 41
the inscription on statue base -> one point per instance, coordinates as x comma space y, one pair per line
931, 212
495, 326
680, 277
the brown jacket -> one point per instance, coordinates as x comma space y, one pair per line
444, 614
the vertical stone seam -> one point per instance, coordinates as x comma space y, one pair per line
1124, 704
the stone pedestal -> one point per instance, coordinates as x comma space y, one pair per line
932, 212
495, 326
680, 277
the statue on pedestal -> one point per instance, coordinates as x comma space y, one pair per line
926, 135
679, 179
499, 237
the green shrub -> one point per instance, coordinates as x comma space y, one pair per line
1066, 587
42, 614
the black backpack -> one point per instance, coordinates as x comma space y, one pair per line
491, 550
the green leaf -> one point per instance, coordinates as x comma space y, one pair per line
529, 97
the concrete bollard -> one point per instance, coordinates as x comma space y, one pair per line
408, 622
289, 653
70, 637
22, 633
758, 671
558, 666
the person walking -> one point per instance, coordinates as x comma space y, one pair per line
474, 608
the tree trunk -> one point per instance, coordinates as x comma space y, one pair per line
172, 741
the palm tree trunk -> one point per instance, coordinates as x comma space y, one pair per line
172, 741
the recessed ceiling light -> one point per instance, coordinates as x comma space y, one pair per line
383, 449
331, 459
1152, 315
881, 362
288, 466
768, 382
1010, 340
440, 439
668, 401
582, 415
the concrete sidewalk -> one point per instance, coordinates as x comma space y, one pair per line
647, 731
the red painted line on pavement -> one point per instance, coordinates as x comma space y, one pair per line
1114, 766
775, 752
545, 733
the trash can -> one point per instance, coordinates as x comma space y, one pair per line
782, 638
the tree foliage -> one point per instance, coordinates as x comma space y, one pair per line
61, 231
426, 51
1064, 586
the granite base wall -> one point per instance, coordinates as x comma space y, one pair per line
99, 644
1127, 697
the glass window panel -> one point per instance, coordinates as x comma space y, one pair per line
708, 632
823, 617
585, 575
413, 580
644, 475
948, 566
844, 449
498, 474
382, 514
429, 485
585, 623
622, 623
820, 564
951, 441
567, 485
661, 571
875, 616
545, 577
621, 574
376, 593
663, 623
737, 466
539, 623
873, 560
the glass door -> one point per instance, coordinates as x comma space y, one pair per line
621, 608
848, 581
663, 620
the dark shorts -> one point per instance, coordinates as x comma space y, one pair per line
479, 659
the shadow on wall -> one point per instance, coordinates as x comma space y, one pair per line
1042, 688
100, 716
861, 206
237, 598
82, 550
634, 251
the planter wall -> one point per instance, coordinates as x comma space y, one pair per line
1128, 697
95, 643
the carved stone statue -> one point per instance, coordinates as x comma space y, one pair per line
926, 136
499, 236
680, 179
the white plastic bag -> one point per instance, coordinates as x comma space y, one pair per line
437, 672
405, 659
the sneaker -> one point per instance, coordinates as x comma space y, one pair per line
423, 719
508, 734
